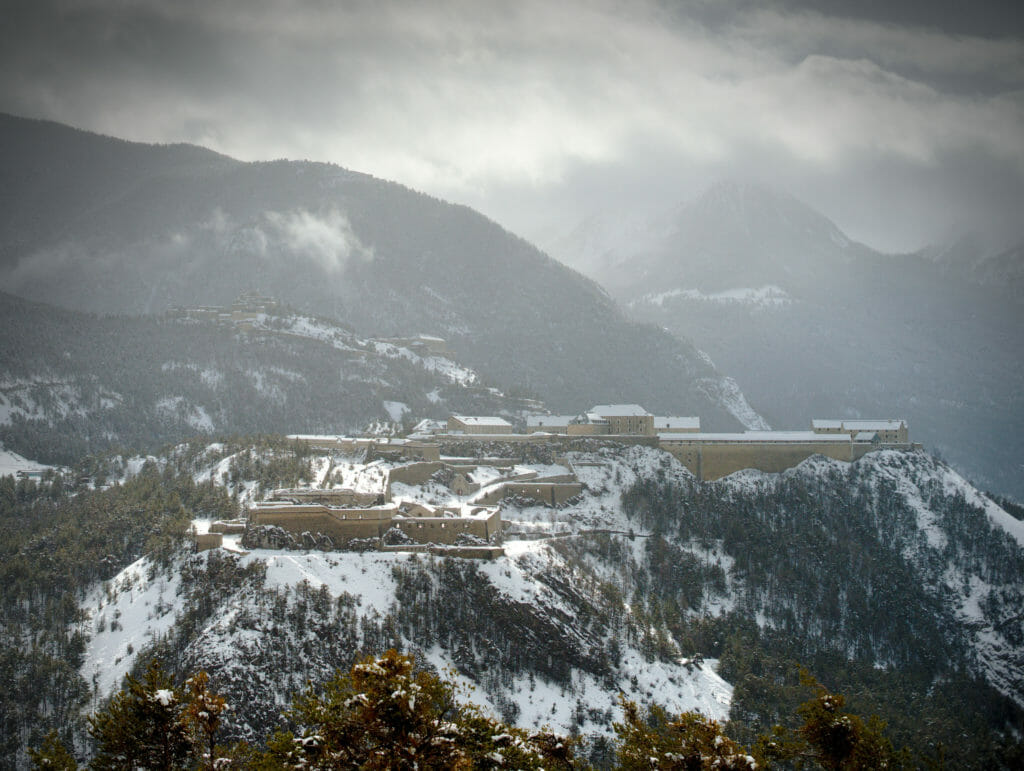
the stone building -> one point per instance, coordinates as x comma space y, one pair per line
676, 424
626, 418
889, 430
419, 523
476, 424
549, 424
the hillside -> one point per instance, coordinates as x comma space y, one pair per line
813, 324
695, 595
102, 225
75, 383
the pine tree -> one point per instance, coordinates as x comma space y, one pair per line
142, 726
649, 739
52, 755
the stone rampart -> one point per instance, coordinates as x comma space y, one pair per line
548, 493
414, 473
340, 525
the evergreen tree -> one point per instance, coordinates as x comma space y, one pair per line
52, 755
142, 727
649, 739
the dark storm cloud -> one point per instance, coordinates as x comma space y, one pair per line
893, 119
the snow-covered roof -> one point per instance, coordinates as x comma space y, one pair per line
755, 436
429, 424
619, 410
669, 422
549, 420
482, 420
865, 436
835, 425
873, 425
887, 424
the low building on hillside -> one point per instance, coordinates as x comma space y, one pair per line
477, 424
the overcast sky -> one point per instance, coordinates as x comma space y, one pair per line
904, 122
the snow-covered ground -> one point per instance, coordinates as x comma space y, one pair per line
138, 605
11, 463
123, 616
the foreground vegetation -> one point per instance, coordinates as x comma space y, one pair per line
383, 714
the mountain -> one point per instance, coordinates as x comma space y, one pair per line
101, 225
814, 324
974, 259
76, 383
891, 579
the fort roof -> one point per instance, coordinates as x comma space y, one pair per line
755, 436
835, 425
670, 422
884, 424
549, 420
873, 425
482, 420
619, 410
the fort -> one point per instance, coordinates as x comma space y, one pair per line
708, 456
448, 462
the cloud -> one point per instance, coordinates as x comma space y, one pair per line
485, 102
326, 239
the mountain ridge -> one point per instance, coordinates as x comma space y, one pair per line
373, 254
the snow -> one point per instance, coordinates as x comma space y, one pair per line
757, 436
953, 482
125, 615
440, 365
489, 421
726, 392
178, 408
11, 463
396, 410
619, 410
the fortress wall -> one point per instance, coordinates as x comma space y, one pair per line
414, 473
336, 496
714, 460
428, 451
206, 541
340, 525
441, 529
549, 493
586, 429
471, 552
